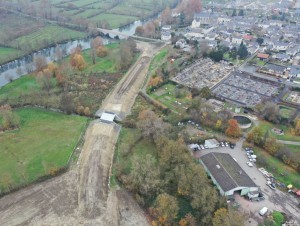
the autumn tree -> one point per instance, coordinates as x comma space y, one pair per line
190, 7
256, 135
188, 220
233, 129
95, 44
139, 30
77, 61
10, 120
145, 176
271, 146
166, 16
102, 51
165, 209
224, 217
151, 125
296, 130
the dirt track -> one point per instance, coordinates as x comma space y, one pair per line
82, 195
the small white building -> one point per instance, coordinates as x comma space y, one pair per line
212, 143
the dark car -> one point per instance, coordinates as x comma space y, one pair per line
232, 145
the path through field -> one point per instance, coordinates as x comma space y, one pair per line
82, 195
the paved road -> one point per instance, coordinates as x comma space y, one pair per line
289, 142
82, 196
275, 199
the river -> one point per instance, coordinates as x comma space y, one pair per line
24, 65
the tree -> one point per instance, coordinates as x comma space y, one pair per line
95, 44
188, 220
296, 129
241, 12
278, 217
233, 129
40, 62
271, 112
233, 13
256, 135
216, 55
10, 120
205, 92
166, 16
145, 176
224, 217
271, 146
77, 61
242, 51
139, 30
182, 18
166, 209
66, 103
102, 51
151, 125
260, 40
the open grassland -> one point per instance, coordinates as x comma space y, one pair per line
113, 20
287, 131
45, 36
44, 143
7, 54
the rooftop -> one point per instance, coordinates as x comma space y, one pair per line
226, 171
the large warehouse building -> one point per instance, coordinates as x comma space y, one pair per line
227, 174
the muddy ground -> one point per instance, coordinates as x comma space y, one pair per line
82, 195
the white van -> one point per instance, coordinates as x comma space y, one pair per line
263, 211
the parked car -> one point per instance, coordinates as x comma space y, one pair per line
232, 145
263, 211
226, 144
205, 146
202, 147
249, 164
222, 144
271, 185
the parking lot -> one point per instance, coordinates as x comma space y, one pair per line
245, 89
274, 199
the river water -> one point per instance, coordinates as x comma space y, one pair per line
24, 65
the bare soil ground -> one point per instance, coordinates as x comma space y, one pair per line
82, 196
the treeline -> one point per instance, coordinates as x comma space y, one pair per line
260, 138
169, 183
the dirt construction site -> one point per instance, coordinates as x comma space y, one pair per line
82, 196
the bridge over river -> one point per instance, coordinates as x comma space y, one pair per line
121, 35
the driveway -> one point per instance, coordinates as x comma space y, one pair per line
274, 199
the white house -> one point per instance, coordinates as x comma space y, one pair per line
212, 143
236, 38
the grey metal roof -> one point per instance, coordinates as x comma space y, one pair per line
226, 171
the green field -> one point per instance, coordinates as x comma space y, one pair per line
113, 20
44, 142
8, 54
287, 133
45, 36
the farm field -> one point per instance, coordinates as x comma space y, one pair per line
44, 143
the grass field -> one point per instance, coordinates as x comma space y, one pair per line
7, 54
287, 133
167, 96
280, 170
44, 142
46, 36
114, 20
286, 112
